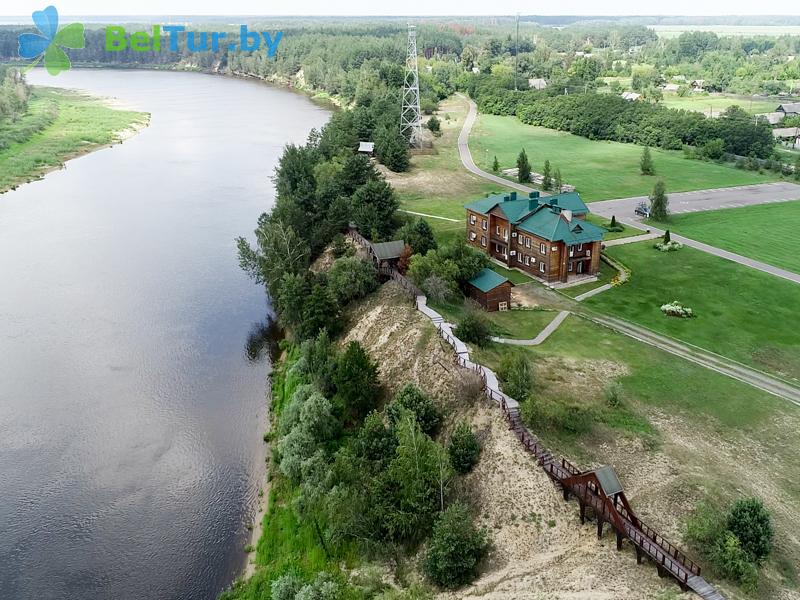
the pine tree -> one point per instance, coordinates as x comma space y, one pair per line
495, 165
647, 162
613, 221
559, 183
523, 167
659, 202
667, 237
547, 177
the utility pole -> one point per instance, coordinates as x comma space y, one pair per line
516, 54
410, 114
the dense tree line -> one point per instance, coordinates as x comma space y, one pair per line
610, 117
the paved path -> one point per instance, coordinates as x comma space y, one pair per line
543, 335
419, 214
466, 155
632, 239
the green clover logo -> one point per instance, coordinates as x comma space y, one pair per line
49, 43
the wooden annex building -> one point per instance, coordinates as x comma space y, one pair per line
491, 290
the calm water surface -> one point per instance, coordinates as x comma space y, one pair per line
130, 414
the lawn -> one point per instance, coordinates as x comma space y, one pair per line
767, 232
718, 103
613, 235
741, 313
59, 125
599, 170
437, 183
519, 324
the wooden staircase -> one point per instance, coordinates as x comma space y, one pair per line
612, 507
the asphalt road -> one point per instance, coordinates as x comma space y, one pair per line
683, 202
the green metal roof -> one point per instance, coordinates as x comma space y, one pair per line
387, 250
553, 225
487, 280
515, 209
608, 480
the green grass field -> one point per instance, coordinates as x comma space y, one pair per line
765, 232
59, 125
741, 313
717, 103
599, 170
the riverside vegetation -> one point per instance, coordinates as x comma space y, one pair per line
357, 477
41, 128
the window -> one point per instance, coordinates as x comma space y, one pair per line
472, 219
485, 224
580, 247
542, 268
483, 241
572, 250
519, 257
503, 306
542, 248
570, 268
497, 229
588, 253
527, 260
472, 236
527, 242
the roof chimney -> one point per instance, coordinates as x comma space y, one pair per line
532, 203
553, 201
505, 198
513, 195
533, 194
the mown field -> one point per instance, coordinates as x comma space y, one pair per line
765, 232
59, 125
717, 103
599, 170
741, 313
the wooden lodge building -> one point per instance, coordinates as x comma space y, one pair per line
547, 237
491, 290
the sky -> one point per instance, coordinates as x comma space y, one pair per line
404, 7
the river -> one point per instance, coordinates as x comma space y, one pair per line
131, 414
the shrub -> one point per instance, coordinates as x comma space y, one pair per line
411, 398
667, 246
614, 394
474, 328
437, 288
434, 125
469, 387
495, 165
351, 278
456, 547
676, 309
286, 587
464, 449
339, 246
750, 522
646, 162
523, 167
356, 381
516, 375
729, 557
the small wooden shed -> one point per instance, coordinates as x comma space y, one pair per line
387, 254
491, 290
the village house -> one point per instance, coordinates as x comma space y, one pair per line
491, 290
791, 109
547, 237
537, 83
